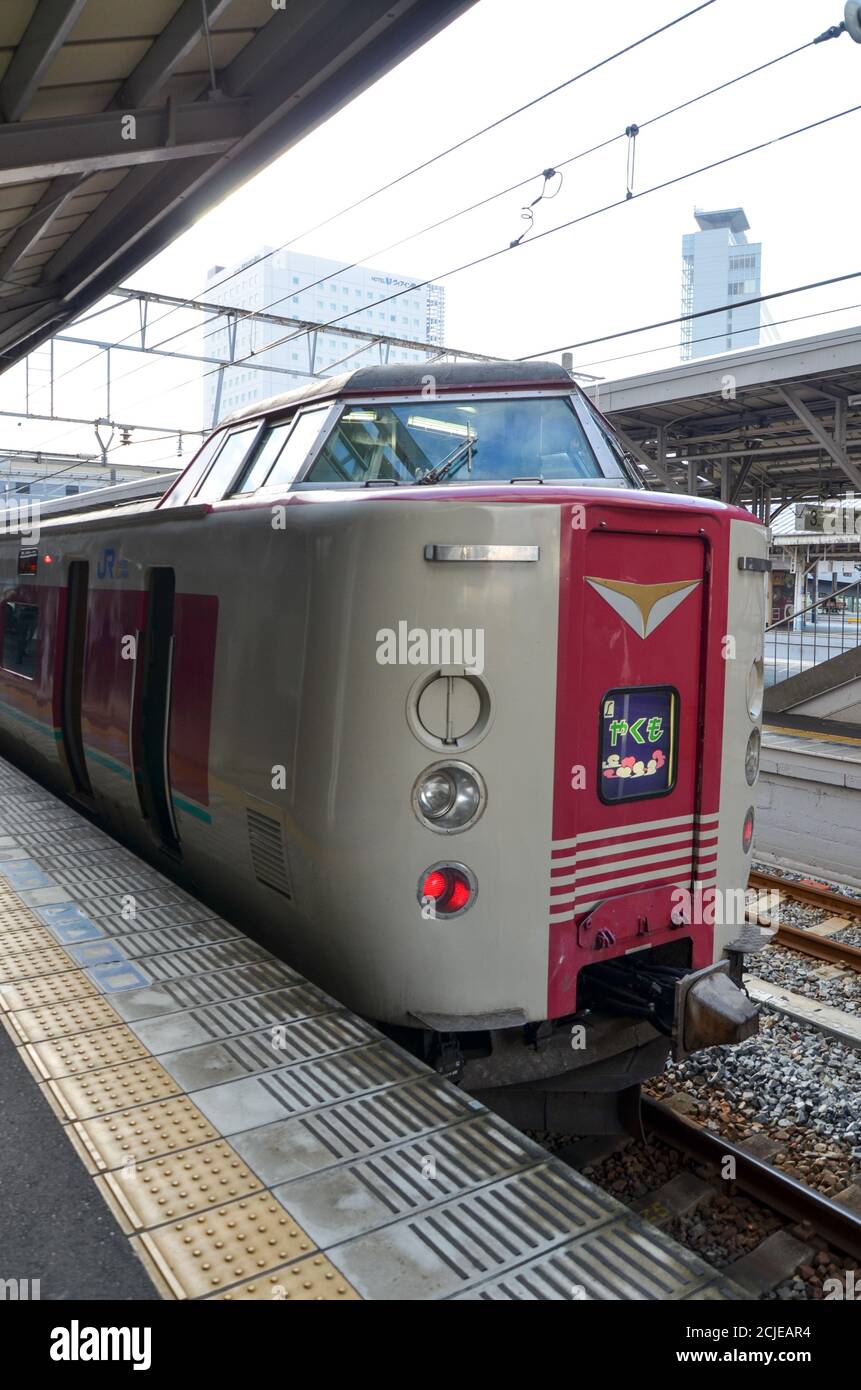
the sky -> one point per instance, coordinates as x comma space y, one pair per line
616, 270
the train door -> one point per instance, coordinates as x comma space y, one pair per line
629, 827
155, 667
77, 594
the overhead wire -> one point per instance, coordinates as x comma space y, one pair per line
433, 226
434, 159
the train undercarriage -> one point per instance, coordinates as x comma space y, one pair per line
582, 1074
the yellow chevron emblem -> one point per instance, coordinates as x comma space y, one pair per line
643, 606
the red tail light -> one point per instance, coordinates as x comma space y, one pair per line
452, 888
459, 895
435, 885
747, 830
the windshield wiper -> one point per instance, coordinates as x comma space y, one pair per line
439, 471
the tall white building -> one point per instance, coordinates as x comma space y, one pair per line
316, 290
720, 266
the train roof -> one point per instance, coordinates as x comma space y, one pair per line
407, 377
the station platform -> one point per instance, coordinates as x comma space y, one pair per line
809, 797
187, 1117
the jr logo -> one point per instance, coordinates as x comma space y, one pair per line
111, 566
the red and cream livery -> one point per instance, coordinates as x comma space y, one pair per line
411, 676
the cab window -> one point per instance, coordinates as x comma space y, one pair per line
287, 451
181, 490
260, 463
479, 440
226, 464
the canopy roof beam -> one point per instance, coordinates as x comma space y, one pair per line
821, 435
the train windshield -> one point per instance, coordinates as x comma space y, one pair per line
477, 441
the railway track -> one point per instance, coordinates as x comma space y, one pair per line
760, 1192
836, 1224
808, 943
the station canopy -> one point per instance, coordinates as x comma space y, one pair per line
121, 121
766, 425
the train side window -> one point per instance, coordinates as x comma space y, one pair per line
264, 456
179, 494
226, 464
305, 433
20, 636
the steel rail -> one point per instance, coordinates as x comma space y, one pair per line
808, 942
822, 947
806, 893
838, 1225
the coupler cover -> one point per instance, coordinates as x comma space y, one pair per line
711, 1010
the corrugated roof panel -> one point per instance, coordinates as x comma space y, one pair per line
110, 19
15, 15
94, 62
53, 103
248, 14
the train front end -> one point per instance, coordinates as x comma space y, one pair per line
558, 737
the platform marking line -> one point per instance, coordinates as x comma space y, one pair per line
816, 734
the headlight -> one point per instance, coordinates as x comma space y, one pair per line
449, 797
436, 794
751, 757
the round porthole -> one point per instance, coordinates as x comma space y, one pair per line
450, 709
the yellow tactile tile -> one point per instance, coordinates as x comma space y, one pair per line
84, 1052
113, 1088
315, 1280
178, 1185
215, 1249
63, 1020
33, 937
17, 919
24, 965
142, 1133
58, 989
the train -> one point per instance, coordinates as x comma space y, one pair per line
409, 674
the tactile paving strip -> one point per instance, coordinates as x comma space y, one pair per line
316, 1279
130, 1136
62, 1020
214, 1249
42, 957
171, 1187
84, 1052
112, 1088
156, 1029
49, 989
